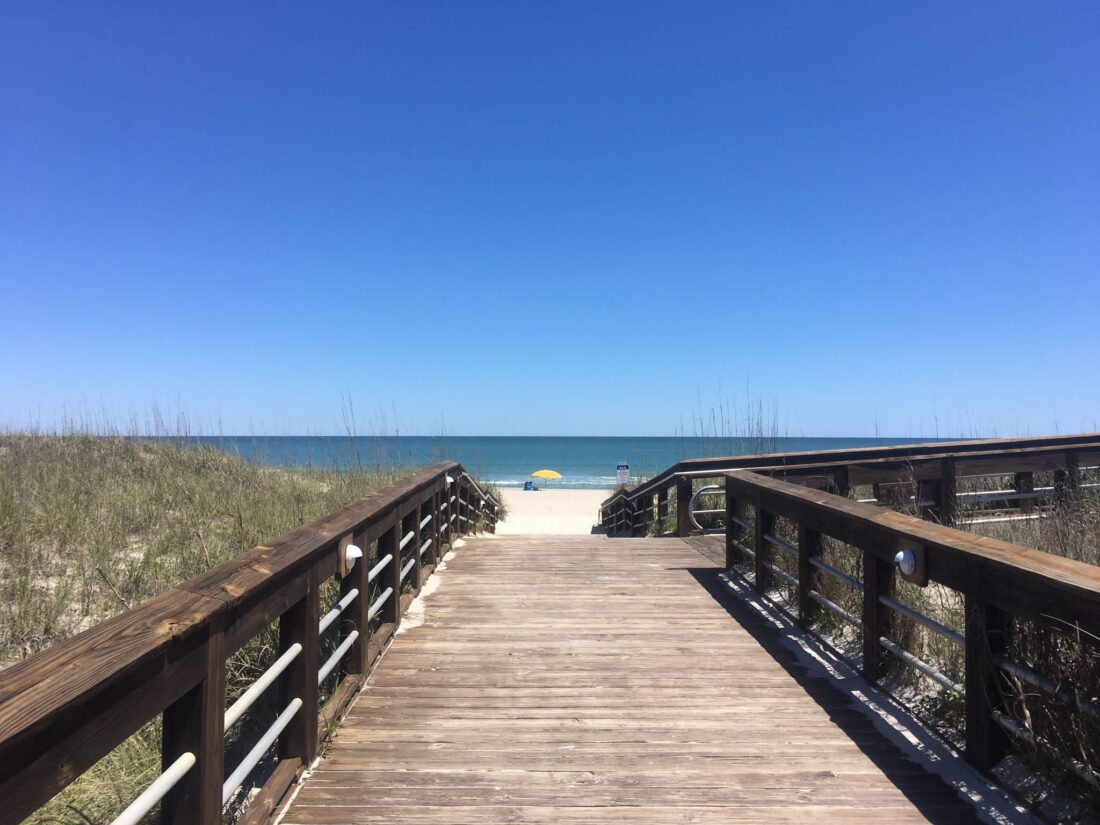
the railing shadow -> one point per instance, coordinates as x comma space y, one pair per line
905, 765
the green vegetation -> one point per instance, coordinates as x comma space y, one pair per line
90, 526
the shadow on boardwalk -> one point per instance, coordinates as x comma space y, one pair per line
898, 760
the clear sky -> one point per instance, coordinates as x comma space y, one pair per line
553, 217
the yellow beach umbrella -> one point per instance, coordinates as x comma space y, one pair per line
545, 474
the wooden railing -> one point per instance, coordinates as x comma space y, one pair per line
1001, 584
931, 470
67, 707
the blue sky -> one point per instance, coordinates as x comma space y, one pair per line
552, 218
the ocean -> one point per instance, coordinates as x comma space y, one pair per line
508, 461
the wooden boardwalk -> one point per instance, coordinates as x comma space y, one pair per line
587, 679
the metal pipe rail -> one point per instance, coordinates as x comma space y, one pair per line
1001, 583
1015, 729
835, 609
64, 709
137, 810
919, 664
1048, 686
921, 619
840, 575
337, 609
256, 689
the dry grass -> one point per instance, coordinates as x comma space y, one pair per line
92, 525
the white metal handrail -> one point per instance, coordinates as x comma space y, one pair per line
921, 619
408, 566
378, 568
246, 699
252, 759
137, 810
336, 656
425, 546
918, 663
708, 490
406, 539
825, 567
782, 545
381, 600
337, 609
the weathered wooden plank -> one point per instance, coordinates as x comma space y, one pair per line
588, 679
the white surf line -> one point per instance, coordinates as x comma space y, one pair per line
895, 723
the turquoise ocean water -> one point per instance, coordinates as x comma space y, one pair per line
584, 462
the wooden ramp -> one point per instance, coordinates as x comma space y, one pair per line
587, 679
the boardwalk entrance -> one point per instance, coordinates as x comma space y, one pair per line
586, 679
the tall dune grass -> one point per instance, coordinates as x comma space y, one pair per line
91, 525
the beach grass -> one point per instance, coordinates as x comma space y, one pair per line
93, 525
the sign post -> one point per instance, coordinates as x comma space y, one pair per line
622, 473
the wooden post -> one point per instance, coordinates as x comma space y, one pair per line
455, 510
435, 552
460, 525
1067, 480
809, 547
947, 504
464, 508
193, 723
840, 482
355, 617
640, 516
390, 576
878, 580
734, 510
662, 509
683, 506
411, 524
452, 509
299, 624
1024, 482
986, 638
765, 523
928, 490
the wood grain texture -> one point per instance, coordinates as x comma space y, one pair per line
585, 679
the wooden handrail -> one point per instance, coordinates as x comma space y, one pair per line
67, 707
999, 582
1019, 580
934, 468
723, 464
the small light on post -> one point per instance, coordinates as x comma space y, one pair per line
906, 562
347, 555
911, 561
351, 553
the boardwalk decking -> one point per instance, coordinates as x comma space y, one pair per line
586, 679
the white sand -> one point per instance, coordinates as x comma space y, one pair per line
559, 512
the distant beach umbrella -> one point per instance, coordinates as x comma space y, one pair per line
545, 474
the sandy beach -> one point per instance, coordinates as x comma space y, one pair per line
558, 512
